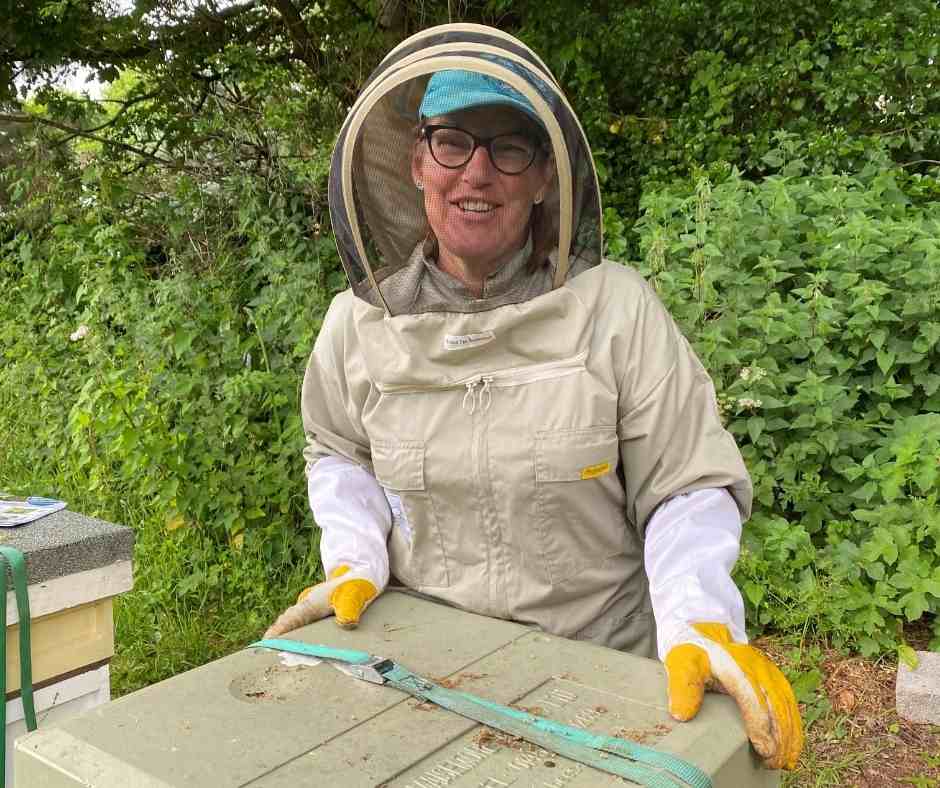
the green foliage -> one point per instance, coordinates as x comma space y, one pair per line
814, 301
672, 87
185, 389
151, 353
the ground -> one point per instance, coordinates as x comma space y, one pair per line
854, 736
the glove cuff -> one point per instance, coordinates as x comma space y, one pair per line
674, 633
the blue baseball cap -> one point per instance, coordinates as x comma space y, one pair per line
454, 89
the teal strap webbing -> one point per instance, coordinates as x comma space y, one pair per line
346, 655
642, 765
13, 558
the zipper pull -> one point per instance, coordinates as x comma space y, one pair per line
486, 395
470, 397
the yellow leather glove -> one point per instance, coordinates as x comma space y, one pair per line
344, 594
766, 700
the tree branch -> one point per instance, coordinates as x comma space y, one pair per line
307, 49
125, 105
220, 15
89, 135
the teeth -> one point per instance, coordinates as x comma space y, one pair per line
476, 206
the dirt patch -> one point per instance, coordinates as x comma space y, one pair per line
277, 683
859, 740
487, 737
644, 735
455, 682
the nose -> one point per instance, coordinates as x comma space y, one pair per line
479, 170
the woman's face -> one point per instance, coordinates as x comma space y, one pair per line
479, 214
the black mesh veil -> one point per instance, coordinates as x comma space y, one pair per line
383, 222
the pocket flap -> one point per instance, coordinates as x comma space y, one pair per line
399, 465
573, 455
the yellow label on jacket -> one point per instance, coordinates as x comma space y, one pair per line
593, 471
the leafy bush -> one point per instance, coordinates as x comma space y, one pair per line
150, 367
814, 301
668, 87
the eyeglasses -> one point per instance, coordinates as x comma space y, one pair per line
511, 154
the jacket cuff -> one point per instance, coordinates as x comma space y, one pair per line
350, 508
692, 543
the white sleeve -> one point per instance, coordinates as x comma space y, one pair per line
692, 543
354, 516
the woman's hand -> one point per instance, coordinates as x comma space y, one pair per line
343, 594
762, 692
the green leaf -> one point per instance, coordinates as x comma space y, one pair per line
878, 337
885, 360
182, 341
908, 656
866, 492
806, 684
754, 592
804, 420
755, 426
915, 605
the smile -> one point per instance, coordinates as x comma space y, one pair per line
476, 206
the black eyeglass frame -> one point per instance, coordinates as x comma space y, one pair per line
482, 142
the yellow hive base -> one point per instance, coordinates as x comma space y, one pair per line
63, 643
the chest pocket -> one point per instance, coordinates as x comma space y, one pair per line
579, 499
416, 550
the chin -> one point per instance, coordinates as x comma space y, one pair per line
480, 257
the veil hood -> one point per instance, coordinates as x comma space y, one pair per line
377, 214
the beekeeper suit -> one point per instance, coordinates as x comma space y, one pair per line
540, 444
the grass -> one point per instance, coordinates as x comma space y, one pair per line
161, 631
854, 736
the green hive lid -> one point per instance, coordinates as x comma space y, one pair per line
249, 719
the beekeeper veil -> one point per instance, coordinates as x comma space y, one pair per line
536, 196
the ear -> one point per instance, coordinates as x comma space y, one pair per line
417, 161
546, 174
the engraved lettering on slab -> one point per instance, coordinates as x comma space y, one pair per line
566, 776
485, 758
455, 766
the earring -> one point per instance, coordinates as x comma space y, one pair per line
538, 199
419, 186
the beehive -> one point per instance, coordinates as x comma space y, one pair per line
252, 720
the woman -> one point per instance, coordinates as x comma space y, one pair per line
500, 418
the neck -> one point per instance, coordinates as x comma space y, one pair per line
473, 273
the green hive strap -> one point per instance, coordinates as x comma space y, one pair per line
13, 558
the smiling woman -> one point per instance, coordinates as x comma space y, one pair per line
480, 192
498, 418
434, 216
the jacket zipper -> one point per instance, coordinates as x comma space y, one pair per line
501, 378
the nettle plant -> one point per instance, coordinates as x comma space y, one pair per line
814, 301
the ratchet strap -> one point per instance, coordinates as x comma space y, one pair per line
635, 762
13, 558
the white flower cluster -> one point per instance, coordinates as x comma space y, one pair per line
728, 406
753, 374
79, 333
